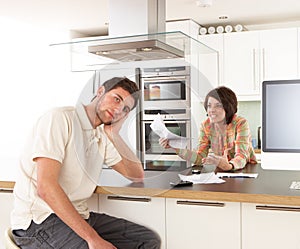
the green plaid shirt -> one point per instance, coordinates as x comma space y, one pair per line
236, 140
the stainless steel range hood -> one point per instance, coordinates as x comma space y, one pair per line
137, 51
138, 39
135, 17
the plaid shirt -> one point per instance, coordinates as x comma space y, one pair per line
236, 141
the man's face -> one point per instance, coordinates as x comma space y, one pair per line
114, 105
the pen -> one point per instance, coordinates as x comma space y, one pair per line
236, 177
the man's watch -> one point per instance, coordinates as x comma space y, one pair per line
232, 166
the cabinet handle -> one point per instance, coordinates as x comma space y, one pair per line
277, 208
254, 65
124, 198
200, 203
263, 64
3, 190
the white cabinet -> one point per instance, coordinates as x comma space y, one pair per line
298, 76
279, 58
202, 224
93, 203
270, 227
189, 27
241, 63
248, 58
147, 211
6, 200
215, 77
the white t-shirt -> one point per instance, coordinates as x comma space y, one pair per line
64, 134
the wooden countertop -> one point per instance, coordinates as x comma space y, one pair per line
270, 187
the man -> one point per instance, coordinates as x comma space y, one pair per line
60, 167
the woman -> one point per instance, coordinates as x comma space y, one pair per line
224, 133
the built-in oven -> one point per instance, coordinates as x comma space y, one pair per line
154, 156
165, 86
165, 91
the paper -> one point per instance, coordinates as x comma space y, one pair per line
237, 175
203, 178
161, 130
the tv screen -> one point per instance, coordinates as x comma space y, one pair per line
281, 124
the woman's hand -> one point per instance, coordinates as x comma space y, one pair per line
220, 161
164, 142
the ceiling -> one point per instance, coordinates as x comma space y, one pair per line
91, 16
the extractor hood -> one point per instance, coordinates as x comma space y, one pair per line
137, 51
138, 39
135, 17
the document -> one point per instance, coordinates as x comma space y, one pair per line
161, 130
237, 175
203, 178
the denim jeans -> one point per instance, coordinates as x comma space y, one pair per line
53, 233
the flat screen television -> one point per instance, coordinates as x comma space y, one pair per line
281, 125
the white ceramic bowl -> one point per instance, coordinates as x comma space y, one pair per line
228, 28
211, 30
220, 29
203, 31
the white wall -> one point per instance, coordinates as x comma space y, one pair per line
33, 78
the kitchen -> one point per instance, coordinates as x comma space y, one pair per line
39, 73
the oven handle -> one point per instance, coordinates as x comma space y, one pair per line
164, 79
183, 121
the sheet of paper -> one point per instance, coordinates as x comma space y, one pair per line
203, 178
161, 130
237, 175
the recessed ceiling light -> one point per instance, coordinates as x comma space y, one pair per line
223, 17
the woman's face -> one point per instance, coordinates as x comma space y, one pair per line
215, 111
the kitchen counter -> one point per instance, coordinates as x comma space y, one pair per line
270, 187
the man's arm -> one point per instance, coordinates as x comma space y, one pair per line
130, 166
51, 192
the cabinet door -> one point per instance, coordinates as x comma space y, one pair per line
214, 41
279, 54
197, 224
146, 211
270, 227
241, 63
6, 200
93, 203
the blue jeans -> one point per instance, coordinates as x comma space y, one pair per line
53, 233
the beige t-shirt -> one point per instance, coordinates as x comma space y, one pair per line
66, 135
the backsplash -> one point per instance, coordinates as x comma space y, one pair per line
251, 110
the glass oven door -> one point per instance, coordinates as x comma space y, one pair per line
154, 155
170, 91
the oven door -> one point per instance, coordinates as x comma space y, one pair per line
155, 156
172, 92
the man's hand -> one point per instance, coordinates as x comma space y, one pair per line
100, 243
114, 127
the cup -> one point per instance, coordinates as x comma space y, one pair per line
254, 143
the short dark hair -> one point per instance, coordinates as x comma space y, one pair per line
227, 98
124, 83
